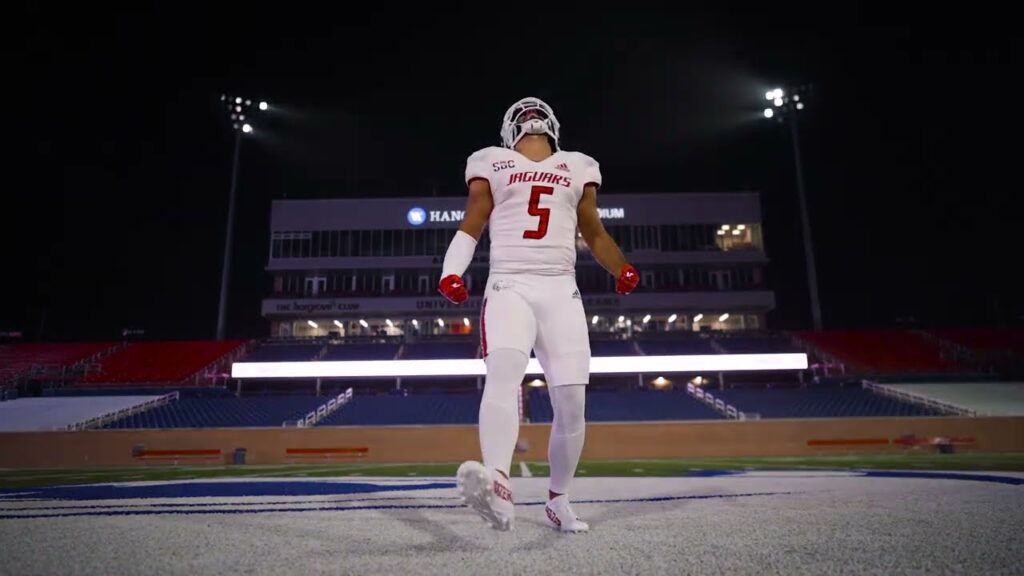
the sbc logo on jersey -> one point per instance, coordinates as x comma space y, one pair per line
416, 216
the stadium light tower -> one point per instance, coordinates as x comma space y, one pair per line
784, 106
238, 110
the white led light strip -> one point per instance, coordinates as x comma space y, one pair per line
465, 367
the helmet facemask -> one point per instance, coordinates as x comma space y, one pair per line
529, 116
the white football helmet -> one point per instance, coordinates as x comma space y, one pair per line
529, 116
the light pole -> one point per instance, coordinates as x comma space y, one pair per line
238, 109
785, 106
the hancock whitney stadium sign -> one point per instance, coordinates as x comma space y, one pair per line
417, 216
447, 215
458, 215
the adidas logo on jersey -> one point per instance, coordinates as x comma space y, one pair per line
576, 294
563, 167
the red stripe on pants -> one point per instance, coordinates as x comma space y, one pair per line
483, 326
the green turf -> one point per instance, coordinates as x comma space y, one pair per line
990, 462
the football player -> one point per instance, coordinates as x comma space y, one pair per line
533, 197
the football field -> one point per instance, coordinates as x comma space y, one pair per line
945, 514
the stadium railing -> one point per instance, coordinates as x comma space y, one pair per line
323, 411
727, 410
93, 363
220, 369
103, 419
918, 400
826, 365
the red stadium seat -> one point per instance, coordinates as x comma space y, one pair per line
882, 351
984, 340
159, 362
18, 359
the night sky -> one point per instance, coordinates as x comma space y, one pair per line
116, 194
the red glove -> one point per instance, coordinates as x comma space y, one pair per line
628, 280
453, 288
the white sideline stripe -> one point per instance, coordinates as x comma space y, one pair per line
525, 470
476, 367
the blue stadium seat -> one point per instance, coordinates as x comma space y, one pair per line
761, 344
612, 348
361, 352
823, 402
639, 405
441, 350
682, 345
391, 409
283, 353
223, 412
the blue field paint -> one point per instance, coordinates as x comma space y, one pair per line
671, 498
333, 507
917, 474
210, 490
1011, 480
208, 504
710, 473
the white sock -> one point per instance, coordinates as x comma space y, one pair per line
567, 434
499, 407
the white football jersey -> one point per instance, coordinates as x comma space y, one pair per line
533, 224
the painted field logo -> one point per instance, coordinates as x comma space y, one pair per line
416, 216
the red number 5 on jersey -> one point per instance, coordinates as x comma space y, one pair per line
535, 210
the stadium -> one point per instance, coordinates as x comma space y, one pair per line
359, 403
741, 416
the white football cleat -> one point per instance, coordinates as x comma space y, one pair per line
559, 515
488, 493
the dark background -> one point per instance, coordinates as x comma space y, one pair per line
114, 212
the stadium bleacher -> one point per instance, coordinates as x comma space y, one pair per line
683, 344
992, 398
987, 350
613, 348
770, 343
18, 359
222, 412
307, 351
142, 368
191, 392
394, 409
283, 353
59, 413
638, 405
436, 350
882, 351
822, 402
984, 340
156, 363
361, 352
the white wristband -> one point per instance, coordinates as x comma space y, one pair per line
459, 254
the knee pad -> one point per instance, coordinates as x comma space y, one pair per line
569, 406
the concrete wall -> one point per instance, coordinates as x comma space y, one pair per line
456, 443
